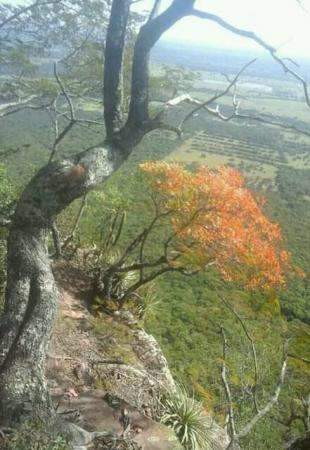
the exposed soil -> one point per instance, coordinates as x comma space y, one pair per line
102, 371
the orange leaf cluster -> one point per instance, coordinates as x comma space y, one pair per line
217, 221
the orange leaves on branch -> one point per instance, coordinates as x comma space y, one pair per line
217, 221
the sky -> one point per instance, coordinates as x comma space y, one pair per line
282, 23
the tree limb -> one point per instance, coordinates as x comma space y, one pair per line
64, 93
231, 416
216, 97
7, 109
26, 9
252, 36
253, 348
113, 89
60, 136
146, 280
142, 265
148, 36
244, 33
273, 400
236, 115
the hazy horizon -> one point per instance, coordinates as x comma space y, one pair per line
290, 34
284, 24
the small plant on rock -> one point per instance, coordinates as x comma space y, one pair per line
188, 419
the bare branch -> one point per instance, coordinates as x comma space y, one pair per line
252, 36
7, 109
26, 9
18, 103
295, 75
273, 400
244, 33
143, 265
147, 232
119, 229
217, 96
253, 348
76, 50
82, 121
302, 6
146, 280
159, 125
216, 112
235, 115
64, 92
231, 416
60, 136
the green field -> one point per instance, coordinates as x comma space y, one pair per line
256, 161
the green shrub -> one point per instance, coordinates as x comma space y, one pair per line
188, 419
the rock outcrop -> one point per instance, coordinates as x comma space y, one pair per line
106, 375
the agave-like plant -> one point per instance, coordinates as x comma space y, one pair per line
187, 417
120, 281
147, 301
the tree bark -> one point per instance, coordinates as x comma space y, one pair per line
31, 293
31, 305
113, 85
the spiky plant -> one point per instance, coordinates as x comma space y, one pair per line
108, 257
112, 283
147, 301
187, 418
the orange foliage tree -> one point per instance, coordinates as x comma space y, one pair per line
202, 219
217, 221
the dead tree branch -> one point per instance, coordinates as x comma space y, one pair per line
273, 400
60, 136
231, 416
7, 109
253, 349
235, 435
216, 97
252, 36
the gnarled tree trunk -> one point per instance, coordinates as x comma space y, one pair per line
31, 293
31, 305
